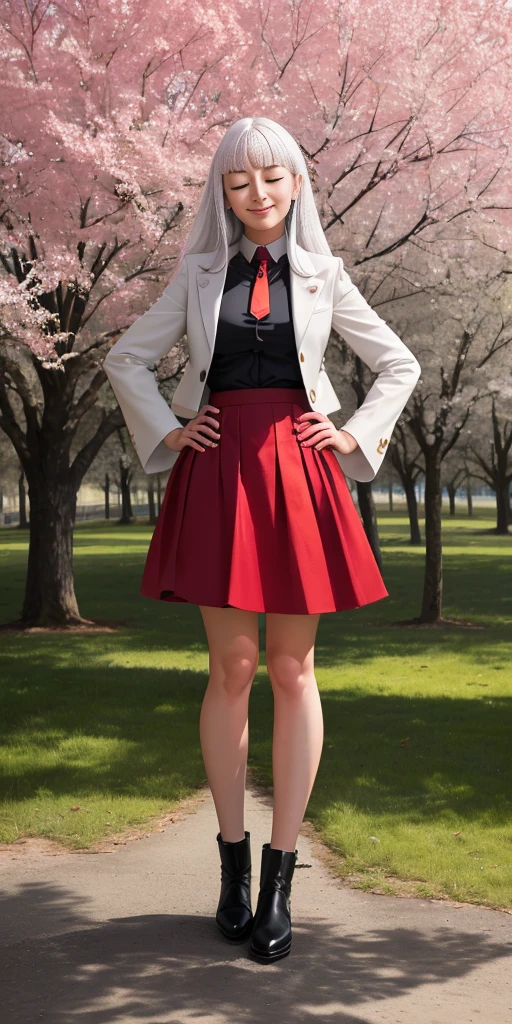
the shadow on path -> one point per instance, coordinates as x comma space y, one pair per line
143, 967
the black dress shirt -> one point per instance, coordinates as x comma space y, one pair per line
252, 353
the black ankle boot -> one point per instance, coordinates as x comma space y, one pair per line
271, 936
234, 913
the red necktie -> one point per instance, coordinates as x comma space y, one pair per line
260, 299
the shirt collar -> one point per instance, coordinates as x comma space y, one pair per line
276, 249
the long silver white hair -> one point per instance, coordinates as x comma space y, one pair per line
261, 142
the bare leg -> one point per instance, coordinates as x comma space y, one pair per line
233, 643
298, 721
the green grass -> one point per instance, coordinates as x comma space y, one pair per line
414, 791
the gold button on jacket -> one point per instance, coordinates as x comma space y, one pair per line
312, 395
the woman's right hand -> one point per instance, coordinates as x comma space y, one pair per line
195, 431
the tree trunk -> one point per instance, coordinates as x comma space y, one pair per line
126, 501
158, 493
22, 501
107, 496
406, 475
451, 497
369, 517
134, 493
53, 478
49, 595
412, 509
469, 495
432, 604
151, 500
390, 494
502, 507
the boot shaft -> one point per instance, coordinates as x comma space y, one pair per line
235, 858
277, 867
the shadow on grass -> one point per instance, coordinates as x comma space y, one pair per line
147, 719
151, 718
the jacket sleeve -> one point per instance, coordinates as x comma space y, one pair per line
398, 371
129, 368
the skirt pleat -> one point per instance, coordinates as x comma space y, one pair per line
260, 522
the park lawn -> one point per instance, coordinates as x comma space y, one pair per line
413, 793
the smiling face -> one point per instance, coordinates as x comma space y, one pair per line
268, 189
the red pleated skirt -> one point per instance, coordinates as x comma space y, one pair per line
260, 522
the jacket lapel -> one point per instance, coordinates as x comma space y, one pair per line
305, 293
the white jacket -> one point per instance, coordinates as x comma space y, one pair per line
324, 299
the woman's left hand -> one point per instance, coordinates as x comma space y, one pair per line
316, 430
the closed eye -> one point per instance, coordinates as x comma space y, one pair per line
235, 188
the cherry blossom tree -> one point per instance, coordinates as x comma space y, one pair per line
465, 336
100, 179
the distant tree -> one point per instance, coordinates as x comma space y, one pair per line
492, 463
455, 376
406, 458
455, 471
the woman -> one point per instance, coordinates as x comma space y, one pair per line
257, 515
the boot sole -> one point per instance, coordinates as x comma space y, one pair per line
266, 958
